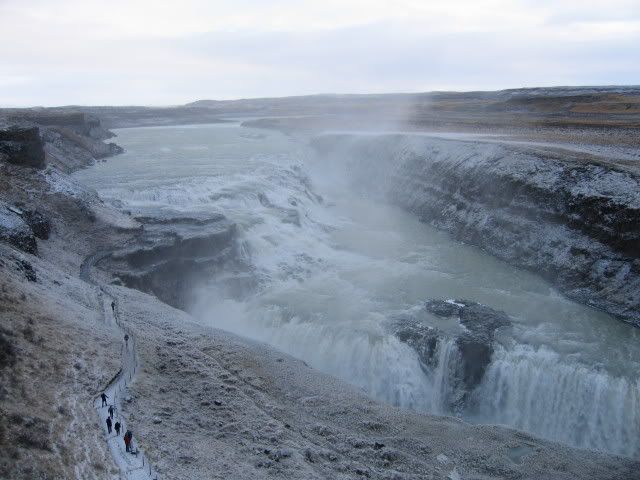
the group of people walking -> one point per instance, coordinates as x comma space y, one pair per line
111, 425
117, 426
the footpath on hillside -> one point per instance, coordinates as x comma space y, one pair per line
133, 465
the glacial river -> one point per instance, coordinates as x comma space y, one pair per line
332, 268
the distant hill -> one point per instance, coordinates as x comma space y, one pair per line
617, 106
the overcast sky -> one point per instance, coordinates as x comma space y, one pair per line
154, 52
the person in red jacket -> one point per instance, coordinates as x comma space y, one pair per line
127, 442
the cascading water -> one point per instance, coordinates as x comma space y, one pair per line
537, 391
333, 270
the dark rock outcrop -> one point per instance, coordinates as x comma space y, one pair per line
81, 123
22, 146
472, 344
39, 223
476, 344
14, 230
67, 140
174, 255
571, 219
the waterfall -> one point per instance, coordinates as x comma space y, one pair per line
334, 263
444, 377
538, 391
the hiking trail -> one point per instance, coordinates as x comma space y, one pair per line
132, 466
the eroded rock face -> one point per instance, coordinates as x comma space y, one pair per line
570, 219
471, 346
175, 255
22, 146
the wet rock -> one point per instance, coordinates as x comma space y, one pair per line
473, 344
443, 308
476, 344
422, 337
476, 357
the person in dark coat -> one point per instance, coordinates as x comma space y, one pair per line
111, 411
116, 427
126, 340
113, 307
109, 425
104, 397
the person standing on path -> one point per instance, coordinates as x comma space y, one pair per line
104, 397
116, 427
109, 425
111, 411
113, 307
127, 440
126, 340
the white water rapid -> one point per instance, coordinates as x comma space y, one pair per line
333, 268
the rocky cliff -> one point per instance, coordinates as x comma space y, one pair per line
66, 140
564, 215
22, 146
172, 256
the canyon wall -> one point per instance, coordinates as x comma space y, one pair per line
570, 219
